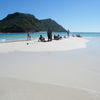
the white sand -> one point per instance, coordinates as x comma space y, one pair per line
14, 89
35, 46
70, 72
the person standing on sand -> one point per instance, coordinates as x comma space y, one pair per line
49, 34
68, 32
28, 36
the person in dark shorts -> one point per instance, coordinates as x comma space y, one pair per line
49, 34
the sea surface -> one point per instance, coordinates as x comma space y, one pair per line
7, 37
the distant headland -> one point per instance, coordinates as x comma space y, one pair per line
21, 22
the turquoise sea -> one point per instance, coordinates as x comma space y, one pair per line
6, 37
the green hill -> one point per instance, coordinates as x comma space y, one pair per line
49, 23
21, 22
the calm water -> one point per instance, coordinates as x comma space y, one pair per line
4, 37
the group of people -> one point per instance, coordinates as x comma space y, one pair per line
58, 37
41, 38
49, 35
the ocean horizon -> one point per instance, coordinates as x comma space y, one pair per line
7, 37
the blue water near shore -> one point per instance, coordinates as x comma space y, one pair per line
5, 37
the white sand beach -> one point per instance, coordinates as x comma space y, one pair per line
35, 46
68, 69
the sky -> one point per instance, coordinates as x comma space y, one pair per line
75, 15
